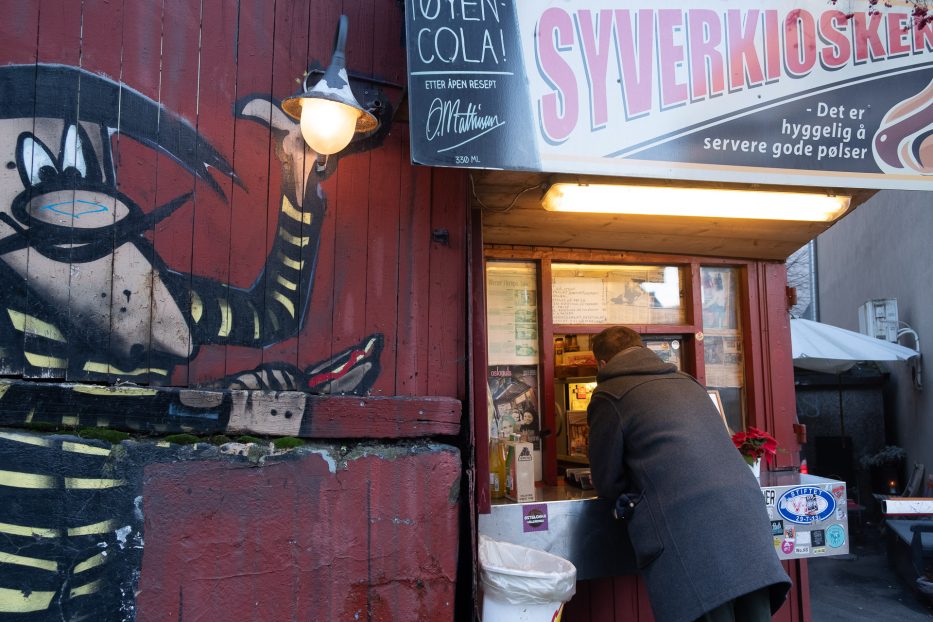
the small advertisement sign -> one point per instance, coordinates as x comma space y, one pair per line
796, 92
513, 390
534, 517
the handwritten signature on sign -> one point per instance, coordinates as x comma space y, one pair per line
445, 117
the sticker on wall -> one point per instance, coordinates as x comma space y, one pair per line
835, 536
769, 494
818, 537
806, 504
777, 527
534, 518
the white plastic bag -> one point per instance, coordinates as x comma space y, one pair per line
522, 576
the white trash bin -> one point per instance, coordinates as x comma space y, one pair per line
522, 584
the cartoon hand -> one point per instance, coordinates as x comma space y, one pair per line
269, 377
352, 371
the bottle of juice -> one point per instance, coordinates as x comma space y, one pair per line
496, 469
509, 459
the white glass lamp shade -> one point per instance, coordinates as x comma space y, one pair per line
327, 126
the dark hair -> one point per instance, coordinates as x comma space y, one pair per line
613, 340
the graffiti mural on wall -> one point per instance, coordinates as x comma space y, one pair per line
86, 296
71, 532
160, 532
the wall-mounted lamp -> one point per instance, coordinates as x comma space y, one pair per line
698, 202
328, 113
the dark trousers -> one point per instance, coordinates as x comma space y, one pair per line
752, 607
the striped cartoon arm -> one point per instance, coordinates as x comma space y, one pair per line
274, 307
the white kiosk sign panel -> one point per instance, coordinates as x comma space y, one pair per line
794, 92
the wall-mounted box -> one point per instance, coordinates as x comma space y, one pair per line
878, 318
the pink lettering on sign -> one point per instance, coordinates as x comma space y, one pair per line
636, 60
899, 27
799, 43
923, 38
744, 65
558, 109
670, 57
707, 68
867, 35
772, 46
596, 61
650, 60
833, 26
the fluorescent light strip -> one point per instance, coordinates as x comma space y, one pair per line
695, 202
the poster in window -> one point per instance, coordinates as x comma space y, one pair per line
722, 355
512, 313
514, 392
719, 298
612, 294
578, 300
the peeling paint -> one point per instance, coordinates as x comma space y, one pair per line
324, 453
122, 533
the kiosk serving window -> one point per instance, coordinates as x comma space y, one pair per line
542, 310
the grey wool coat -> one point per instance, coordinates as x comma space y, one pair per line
700, 529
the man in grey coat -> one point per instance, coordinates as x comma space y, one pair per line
694, 511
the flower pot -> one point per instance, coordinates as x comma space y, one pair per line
756, 468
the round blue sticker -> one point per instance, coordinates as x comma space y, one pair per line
806, 504
835, 536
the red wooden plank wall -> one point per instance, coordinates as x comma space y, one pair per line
301, 540
181, 301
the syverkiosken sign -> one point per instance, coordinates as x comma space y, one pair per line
779, 92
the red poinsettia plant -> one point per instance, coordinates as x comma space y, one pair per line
754, 444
